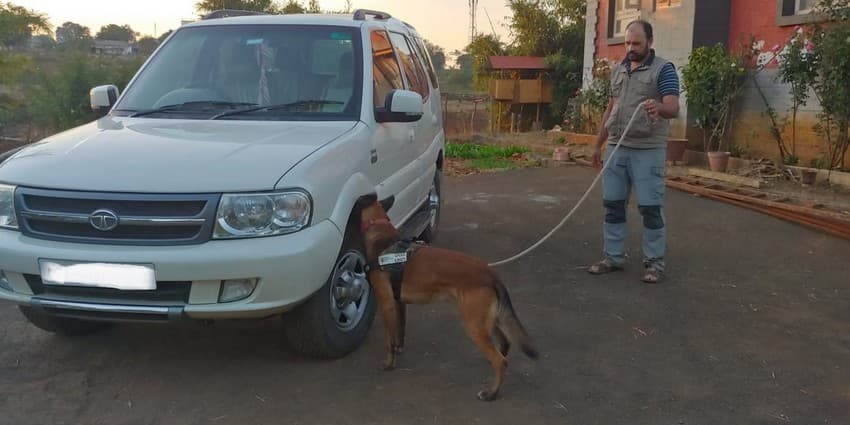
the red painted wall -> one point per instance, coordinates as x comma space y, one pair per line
603, 50
757, 18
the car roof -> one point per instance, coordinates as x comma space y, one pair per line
342, 20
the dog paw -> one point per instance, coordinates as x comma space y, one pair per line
388, 366
485, 395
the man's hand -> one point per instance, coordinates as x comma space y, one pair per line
596, 160
652, 108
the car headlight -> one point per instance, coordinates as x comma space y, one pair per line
261, 214
7, 207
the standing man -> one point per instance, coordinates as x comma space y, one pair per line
642, 80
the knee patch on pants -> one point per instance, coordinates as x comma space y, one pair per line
615, 211
652, 218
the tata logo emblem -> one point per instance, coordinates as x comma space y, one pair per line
103, 220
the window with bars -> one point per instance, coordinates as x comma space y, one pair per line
803, 6
623, 12
796, 12
664, 4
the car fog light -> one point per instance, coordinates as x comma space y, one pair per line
4, 282
236, 289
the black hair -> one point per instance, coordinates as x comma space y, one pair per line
647, 27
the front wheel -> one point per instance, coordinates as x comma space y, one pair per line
435, 203
336, 319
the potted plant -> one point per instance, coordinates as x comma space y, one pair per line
712, 80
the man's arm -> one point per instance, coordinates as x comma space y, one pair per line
603, 135
668, 87
603, 132
669, 107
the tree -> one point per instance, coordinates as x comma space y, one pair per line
73, 36
163, 36
437, 54
313, 7
117, 33
535, 28
147, 45
481, 48
293, 7
18, 24
207, 6
554, 29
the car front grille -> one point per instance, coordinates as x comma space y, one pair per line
133, 219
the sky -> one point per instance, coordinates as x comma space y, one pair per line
443, 22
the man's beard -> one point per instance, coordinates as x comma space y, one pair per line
636, 57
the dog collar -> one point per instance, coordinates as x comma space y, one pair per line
365, 226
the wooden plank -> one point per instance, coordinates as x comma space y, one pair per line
743, 181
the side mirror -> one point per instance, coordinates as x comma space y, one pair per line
400, 106
102, 98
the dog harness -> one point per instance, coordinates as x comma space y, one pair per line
393, 260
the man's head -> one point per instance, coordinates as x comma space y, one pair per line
638, 40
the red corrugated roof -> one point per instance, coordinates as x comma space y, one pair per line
517, 62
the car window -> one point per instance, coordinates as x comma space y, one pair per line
253, 65
410, 64
387, 75
420, 48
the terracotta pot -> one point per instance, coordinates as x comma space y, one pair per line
676, 149
561, 154
809, 177
718, 161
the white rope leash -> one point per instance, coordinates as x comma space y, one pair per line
580, 201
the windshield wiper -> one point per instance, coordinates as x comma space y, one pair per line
276, 107
190, 105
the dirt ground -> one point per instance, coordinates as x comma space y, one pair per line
751, 327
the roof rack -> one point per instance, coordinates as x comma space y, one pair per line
226, 13
360, 14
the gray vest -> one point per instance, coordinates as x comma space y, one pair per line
629, 91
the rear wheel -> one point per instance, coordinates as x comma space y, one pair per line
336, 319
62, 325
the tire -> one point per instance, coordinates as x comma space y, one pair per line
336, 319
64, 326
435, 201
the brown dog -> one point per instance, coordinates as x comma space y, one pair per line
431, 274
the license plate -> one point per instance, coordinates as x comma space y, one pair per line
128, 277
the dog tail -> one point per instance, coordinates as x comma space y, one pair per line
509, 323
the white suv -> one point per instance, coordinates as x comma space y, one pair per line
221, 184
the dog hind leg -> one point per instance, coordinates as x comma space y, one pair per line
479, 312
502, 341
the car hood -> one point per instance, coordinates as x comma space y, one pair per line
169, 156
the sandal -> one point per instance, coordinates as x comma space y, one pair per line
652, 275
602, 267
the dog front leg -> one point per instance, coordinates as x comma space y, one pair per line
402, 324
389, 315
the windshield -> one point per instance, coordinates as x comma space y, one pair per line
202, 72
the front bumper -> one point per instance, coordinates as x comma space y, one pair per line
289, 269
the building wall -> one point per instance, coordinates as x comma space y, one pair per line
750, 131
591, 21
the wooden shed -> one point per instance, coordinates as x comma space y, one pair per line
517, 82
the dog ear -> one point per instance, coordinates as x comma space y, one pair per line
387, 203
366, 200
